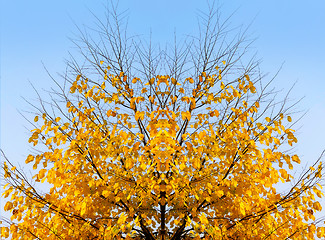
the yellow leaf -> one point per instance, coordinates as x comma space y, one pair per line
8, 206
83, 208
105, 193
29, 159
182, 166
242, 208
295, 158
317, 206
134, 80
151, 81
289, 119
190, 80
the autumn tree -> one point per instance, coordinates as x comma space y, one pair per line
187, 142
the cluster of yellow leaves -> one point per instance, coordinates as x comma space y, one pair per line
200, 159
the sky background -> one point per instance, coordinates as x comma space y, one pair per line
34, 33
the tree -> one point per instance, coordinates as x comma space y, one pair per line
141, 143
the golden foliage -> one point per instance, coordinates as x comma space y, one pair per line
208, 174
154, 156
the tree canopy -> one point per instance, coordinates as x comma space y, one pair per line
186, 142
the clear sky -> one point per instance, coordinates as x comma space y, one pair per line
35, 32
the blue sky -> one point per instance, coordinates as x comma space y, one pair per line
36, 32
289, 31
